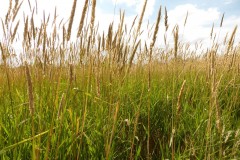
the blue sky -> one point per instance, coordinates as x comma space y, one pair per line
229, 7
202, 14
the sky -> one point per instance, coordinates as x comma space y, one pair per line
201, 15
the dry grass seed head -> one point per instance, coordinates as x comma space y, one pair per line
30, 6
71, 20
8, 15
141, 17
33, 27
166, 20
92, 17
231, 40
185, 22
133, 23
211, 34
82, 18
14, 31
16, 9
155, 32
175, 41
25, 30
222, 20
39, 36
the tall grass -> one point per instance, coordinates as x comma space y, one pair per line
113, 96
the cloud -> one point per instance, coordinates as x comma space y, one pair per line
138, 5
129, 3
196, 16
199, 21
226, 2
198, 26
149, 8
3, 9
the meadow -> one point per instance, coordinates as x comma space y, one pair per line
112, 95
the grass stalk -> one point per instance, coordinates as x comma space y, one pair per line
109, 144
31, 108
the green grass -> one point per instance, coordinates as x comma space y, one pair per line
68, 142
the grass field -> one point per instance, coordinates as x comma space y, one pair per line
63, 99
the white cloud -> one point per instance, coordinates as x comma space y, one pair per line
149, 8
129, 3
199, 21
228, 2
138, 5
198, 26
3, 9
196, 16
